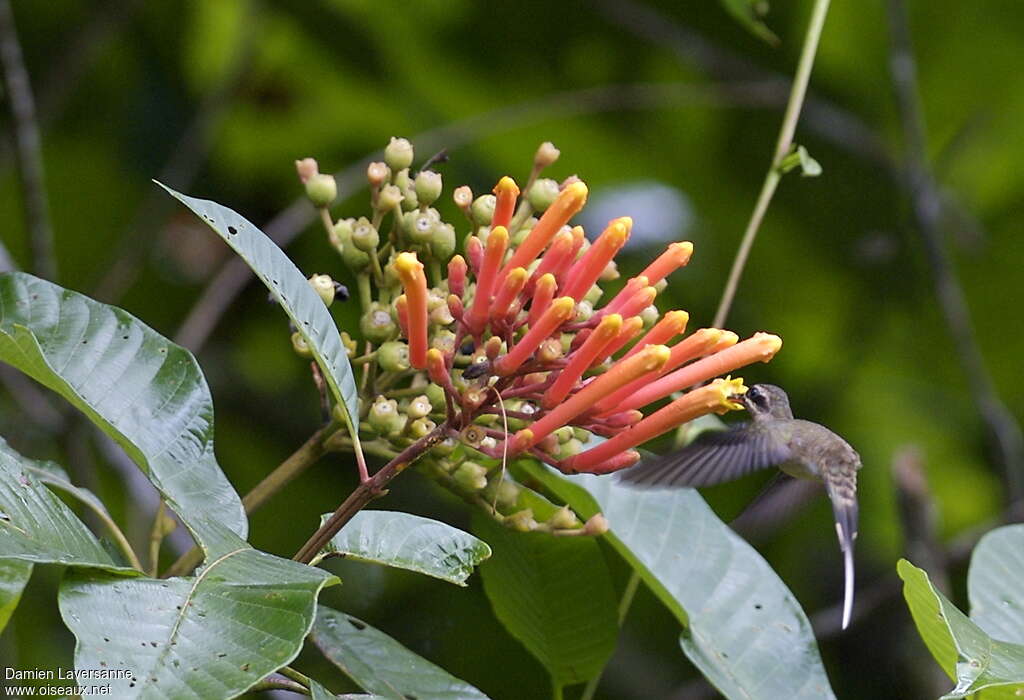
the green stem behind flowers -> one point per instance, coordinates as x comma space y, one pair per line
782, 148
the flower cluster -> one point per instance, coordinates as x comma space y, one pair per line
507, 348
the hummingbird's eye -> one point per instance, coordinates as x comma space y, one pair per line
758, 397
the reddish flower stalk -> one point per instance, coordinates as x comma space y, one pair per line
582, 359
497, 243
560, 311
643, 363
506, 192
760, 347
414, 282
570, 200
586, 270
716, 397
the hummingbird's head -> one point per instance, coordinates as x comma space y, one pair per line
766, 401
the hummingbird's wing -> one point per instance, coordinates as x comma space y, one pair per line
713, 458
842, 491
781, 498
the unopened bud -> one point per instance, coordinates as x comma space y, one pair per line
435, 395
306, 168
398, 154
521, 521
323, 285
364, 236
321, 189
610, 272
419, 225
389, 198
421, 427
377, 325
428, 187
564, 434
584, 310
506, 493
650, 316
300, 345
385, 418
483, 209
393, 356
442, 243
563, 519
550, 350
471, 476
419, 407
463, 197
349, 343
546, 155
444, 448
570, 448
378, 173
542, 194
596, 525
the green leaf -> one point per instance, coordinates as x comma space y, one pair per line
292, 291
553, 594
994, 583
36, 526
14, 574
972, 659
145, 392
744, 629
406, 541
378, 664
214, 635
749, 13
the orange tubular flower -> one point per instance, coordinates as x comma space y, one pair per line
510, 289
556, 256
402, 308
631, 287
497, 243
716, 397
457, 275
543, 293
651, 359
560, 311
630, 328
582, 359
506, 192
671, 324
584, 273
639, 301
674, 257
569, 202
760, 347
414, 282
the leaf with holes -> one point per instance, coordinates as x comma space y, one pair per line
242, 616
142, 390
292, 291
36, 526
14, 575
743, 628
976, 662
553, 594
378, 664
406, 541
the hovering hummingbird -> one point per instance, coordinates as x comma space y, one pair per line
774, 438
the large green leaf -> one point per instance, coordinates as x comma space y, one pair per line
14, 574
36, 526
378, 664
974, 660
407, 541
147, 393
995, 583
743, 628
292, 291
553, 594
242, 616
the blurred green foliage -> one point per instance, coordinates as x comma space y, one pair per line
218, 99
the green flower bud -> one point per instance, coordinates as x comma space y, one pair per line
377, 325
398, 154
442, 243
521, 521
321, 189
385, 418
420, 225
546, 155
419, 407
402, 180
471, 476
300, 345
378, 173
584, 310
610, 272
596, 525
650, 316
364, 235
463, 197
507, 493
323, 285
570, 448
594, 295
563, 519
542, 194
428, 187
564, 434
393, 356
581, 434
354, 259
421, 427
435, 395
350, 345
483, 209
444, 448
340, 234
389, 197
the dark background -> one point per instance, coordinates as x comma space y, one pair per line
670, 110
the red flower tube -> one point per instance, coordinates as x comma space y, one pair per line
581, 360
497, 243
570, 200
586, 270
506, 192
560, 311
543, 293
671, 324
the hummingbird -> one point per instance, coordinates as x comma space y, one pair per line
773, 438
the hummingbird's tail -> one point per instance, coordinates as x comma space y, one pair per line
847, 583
842, 493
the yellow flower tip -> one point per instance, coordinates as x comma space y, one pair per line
624, 222
726, 339
610, 325
435, 355
502, 236
564, 306
547, 280
407, 265
516, 276
575, 194
522, 440
684, 249
728, 389
655, 357
506, 185
769, 344
677, 318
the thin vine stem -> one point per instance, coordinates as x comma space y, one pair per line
782, 148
